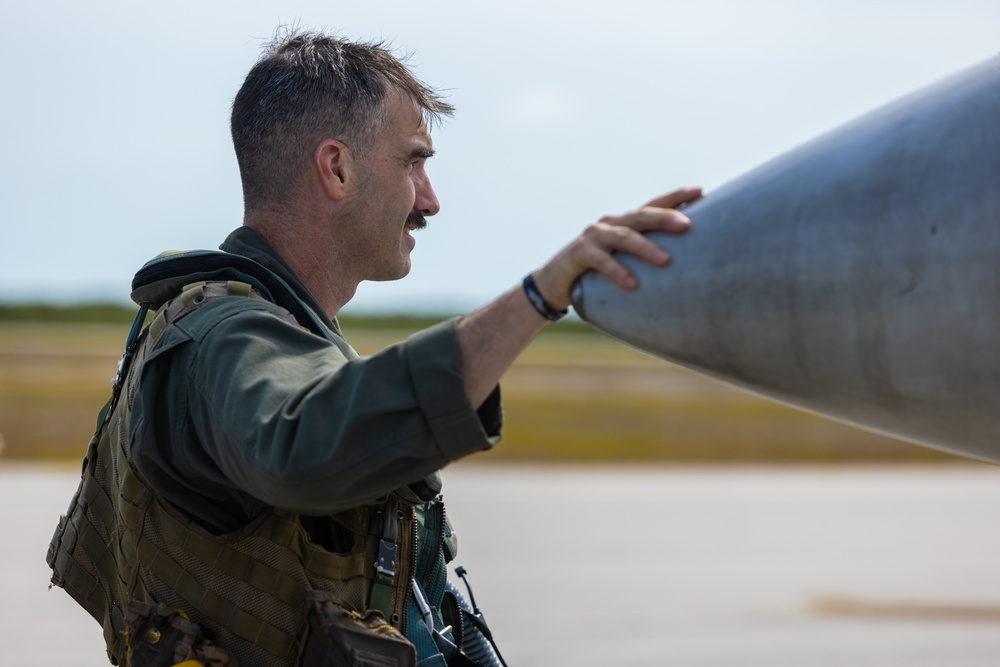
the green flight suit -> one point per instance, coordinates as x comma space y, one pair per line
241, 411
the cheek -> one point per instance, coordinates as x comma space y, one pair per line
413, 186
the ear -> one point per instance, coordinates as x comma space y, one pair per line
333, 163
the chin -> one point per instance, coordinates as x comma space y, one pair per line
400, 272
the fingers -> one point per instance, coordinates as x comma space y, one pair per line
659, 214
604, 262
594, 250
625, 236
678, 197
597, 247
649, 219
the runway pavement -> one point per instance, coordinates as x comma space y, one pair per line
706, 567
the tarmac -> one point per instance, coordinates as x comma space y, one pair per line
650, 565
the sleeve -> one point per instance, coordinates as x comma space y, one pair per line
286, 417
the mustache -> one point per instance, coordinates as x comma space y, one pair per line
416, 219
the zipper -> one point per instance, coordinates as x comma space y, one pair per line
413, 556
411, 575
438, 554
433, 511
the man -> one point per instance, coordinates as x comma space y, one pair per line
256, 476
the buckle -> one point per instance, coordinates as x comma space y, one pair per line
386, 563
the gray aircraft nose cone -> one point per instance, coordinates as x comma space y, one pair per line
857, 276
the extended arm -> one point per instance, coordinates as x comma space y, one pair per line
491, 338
242, 409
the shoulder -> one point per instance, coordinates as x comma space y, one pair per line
235, 312
230, 332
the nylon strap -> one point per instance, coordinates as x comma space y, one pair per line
385, 566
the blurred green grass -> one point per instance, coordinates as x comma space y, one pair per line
574, 395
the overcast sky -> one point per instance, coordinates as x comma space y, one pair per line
116, 141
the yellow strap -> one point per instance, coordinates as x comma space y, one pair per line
190, 663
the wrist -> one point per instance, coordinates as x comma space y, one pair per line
539, 302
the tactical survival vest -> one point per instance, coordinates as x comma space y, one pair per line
250, 590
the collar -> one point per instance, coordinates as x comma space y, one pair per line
248, 243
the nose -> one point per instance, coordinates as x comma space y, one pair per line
426, 201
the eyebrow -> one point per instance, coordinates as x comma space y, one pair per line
421, 152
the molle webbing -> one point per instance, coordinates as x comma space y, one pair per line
246, 589
249, 604
83, 553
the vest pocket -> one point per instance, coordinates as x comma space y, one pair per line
158, 636
340, 637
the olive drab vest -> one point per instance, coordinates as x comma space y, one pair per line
246, 589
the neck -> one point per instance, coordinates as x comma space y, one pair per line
311, 255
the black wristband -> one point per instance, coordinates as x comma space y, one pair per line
538, 301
